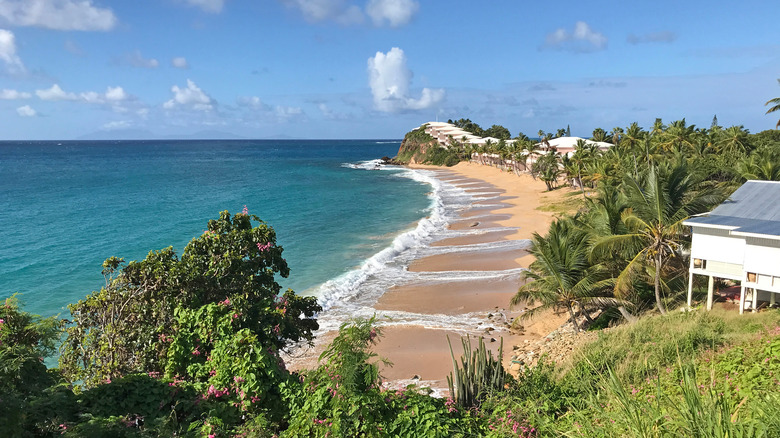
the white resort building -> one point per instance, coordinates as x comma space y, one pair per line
566, 145
740, 240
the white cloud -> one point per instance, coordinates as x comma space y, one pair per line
57, 14
116, 94
6, 94
117, 124
8, 52
26, 111
180, 62
389, 79
253, 102
113, 95
213, 6
137, 60
393, 12
191, 96
582, 39
55, 93
287, 112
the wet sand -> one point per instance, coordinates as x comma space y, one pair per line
508, 212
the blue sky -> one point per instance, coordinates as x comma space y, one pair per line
377, 68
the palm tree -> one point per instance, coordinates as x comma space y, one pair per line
563, 277
617, 135
776, 106
678, 135
631, 138
599, 135
763, 164
733, 140
658, 205
547, 168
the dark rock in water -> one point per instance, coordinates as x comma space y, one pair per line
416, 377
391, 161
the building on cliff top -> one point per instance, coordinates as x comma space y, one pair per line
740, 240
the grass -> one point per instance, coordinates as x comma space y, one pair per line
650, 346
567, 204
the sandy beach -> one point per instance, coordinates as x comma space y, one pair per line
506, 206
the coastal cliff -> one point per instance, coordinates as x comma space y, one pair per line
418, 147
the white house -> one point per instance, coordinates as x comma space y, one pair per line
740, 240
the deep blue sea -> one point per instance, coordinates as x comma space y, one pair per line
67, 206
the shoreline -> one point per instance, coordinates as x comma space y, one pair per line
480, 267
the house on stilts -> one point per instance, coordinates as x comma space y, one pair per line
740, 240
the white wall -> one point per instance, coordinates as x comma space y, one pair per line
711, 244
763, 259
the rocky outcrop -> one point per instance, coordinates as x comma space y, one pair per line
415, 147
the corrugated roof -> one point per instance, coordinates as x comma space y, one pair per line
753, 209
754, 200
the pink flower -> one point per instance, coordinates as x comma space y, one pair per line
2, 321
196, 352
245, 210
262, 247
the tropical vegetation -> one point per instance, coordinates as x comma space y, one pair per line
191, 344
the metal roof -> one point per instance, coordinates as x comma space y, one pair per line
753, 209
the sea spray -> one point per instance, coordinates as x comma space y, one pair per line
355, 293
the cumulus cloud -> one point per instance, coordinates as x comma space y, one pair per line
116, 94
287, 112
137, 60
6, 94
393, 12
581, 39
389, 79
55, 93
8, 52
254, 103
653, 37
189, 97
57, 14
26, 111
113, 95
180, 62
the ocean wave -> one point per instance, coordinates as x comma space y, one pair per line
368, 165
345, 286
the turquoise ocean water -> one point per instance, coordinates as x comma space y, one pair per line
65, 207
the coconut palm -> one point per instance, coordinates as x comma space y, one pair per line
678, 135
658, 204
562, 276
763, 164
775, 106
599, 135
733, 140
631, 140
547, 168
